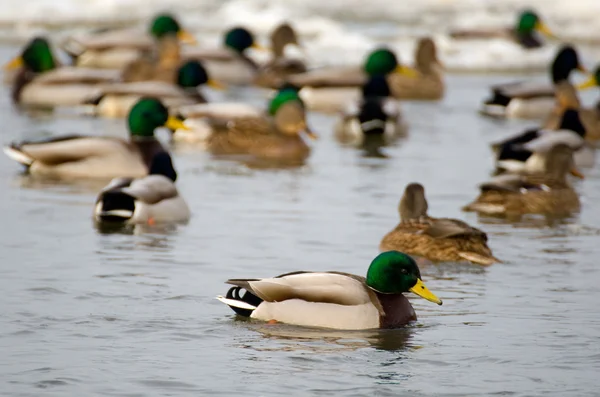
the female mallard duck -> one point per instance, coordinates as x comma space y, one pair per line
436, 239
230, 63
523, 33
549, 193
330, 89
148, 200
532, 100
40, 82
428, 83
273, 73
525, 152
114, 49
116, 100
79, 156
376, 118
335, 299
273, 141
206, 119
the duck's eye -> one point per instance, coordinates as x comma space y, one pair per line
404, 271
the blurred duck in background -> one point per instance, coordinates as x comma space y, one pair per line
525, 32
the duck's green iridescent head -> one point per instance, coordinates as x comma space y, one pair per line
285, 94
592, 81
566, 61
149, 114
192, 74
394, 272
36, 56
240, 39
166, 24
529, 22
383, 62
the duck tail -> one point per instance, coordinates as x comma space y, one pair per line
15, 153
115, 207
243, 305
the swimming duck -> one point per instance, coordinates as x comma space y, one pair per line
40, 82
115, 48
525, 152
330, 89
591, 116
436, 239
266, 141
79, 156
549, 193
147, 200
428, 84
116, 100
273, 73
532, 100
230, 63
376, 117
335, 299
523, 32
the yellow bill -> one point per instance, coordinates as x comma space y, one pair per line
589, 83
14, 63
576, 173
542, 28
186, 37
311, 134
259, 47
406, 71
420, 289
216, 85
173, 123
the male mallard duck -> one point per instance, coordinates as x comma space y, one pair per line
265, 140
532, 100
230, 63
115, 100
523, 33
515, 195
436, 239
591, 116
376, 117
114, 49
335, 299
273, 73
429, 83
525, 152
330, 89
147, 200
40, 82
79, 156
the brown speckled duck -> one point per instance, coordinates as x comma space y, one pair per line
436, 239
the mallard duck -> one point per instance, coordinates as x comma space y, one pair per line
78, 156
115, 100
591, 116
428, 83
549, 193
376, 117
525, 152
148, 200
273, 73
265, 140
532, 100
114, 49
436, 239
522, 33
40, 82
230, 63
330, 89
335, 299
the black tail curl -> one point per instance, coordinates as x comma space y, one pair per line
234, 293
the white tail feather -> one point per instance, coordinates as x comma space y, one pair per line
17, 155
235, 303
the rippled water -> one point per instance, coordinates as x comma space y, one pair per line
86, 313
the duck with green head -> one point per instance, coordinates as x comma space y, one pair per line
524, 32
335, 299
532, 100
591, 116
80, 156
376, 119
330, 89
116, 48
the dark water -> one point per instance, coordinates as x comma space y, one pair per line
85, 313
